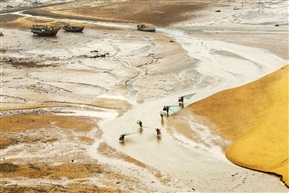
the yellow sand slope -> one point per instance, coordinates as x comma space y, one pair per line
255, 116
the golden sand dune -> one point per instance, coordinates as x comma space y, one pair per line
255, 117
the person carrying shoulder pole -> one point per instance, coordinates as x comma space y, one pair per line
181, 101
166, 109
121, 137
162, 117
158, 131
140, 125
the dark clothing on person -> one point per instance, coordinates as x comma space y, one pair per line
158, 131
166, 108
121, 138
181, 101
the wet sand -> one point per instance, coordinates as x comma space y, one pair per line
51, 89
86, 89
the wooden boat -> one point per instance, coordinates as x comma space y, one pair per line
44, 30
70, 28
143, 27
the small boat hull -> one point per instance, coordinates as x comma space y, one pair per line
69, 28
145, 28
44, 30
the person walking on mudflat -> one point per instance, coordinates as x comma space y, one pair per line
158, 131
140, 125
121, 138
181, 101
162, 117
166, 109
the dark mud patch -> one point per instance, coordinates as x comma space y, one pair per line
48, 14
156, 13
8, 167
9, 18
20, 63
39, 170
6, 142
73, 188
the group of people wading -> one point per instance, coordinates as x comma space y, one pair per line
158, 130
163, 113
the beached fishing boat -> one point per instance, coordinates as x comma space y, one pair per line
143, 27
70, 28
43, 30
